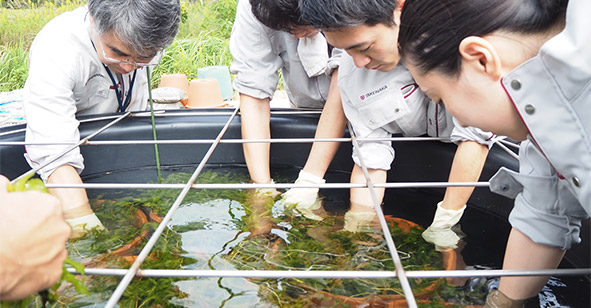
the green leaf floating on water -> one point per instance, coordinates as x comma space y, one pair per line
36, 184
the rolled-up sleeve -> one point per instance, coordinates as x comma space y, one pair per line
334, 60
375, 154
255, 65
469, 133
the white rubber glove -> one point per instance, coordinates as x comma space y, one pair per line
440, 232
268, 192
81, 225
360, 221
305, 199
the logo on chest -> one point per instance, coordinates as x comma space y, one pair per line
373, 92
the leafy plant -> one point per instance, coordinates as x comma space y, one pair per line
313, 245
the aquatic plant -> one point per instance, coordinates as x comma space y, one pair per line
313, 245
260, 235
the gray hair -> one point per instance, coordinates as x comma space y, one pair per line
144, 26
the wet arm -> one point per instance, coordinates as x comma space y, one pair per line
74, 200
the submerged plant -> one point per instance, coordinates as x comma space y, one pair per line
263, 235
129, 222
313, 245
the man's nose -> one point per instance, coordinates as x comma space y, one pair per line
361, 60
128, 67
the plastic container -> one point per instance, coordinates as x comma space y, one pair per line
222, 74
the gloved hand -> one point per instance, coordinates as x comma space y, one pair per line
267, 192
82, 220
305, 199
360, 221
496, 299
440, 232
81, 225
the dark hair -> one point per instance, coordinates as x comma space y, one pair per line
335, 14
282, 15
144, 26
431, 30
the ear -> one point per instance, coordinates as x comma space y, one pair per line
397, 12
480, 54
400, 5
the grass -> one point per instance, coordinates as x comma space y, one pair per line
20, 22
13, 67
202, 39
187, 55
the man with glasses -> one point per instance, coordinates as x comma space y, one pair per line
88, 61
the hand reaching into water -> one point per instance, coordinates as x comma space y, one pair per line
361, 221
441, 232
305, 199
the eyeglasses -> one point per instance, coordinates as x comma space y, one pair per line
153, 61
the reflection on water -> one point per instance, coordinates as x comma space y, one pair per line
224, 230
208, 246
293, 243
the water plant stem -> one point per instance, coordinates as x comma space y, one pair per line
154, 127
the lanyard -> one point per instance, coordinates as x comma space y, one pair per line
122, 105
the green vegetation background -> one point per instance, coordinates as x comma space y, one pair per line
202, 39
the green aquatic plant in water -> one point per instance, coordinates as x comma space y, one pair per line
104, 248
266, 237
116, 215
313, 245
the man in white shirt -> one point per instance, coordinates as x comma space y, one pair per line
380, 98
87, 61
268, 37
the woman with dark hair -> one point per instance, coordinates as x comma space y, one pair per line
520, 69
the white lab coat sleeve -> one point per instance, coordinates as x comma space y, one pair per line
255, 65
552, 94
49, 106
375, 154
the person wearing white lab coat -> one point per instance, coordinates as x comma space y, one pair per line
368, 32
88, 61
525, 75
266, 39
379, 104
